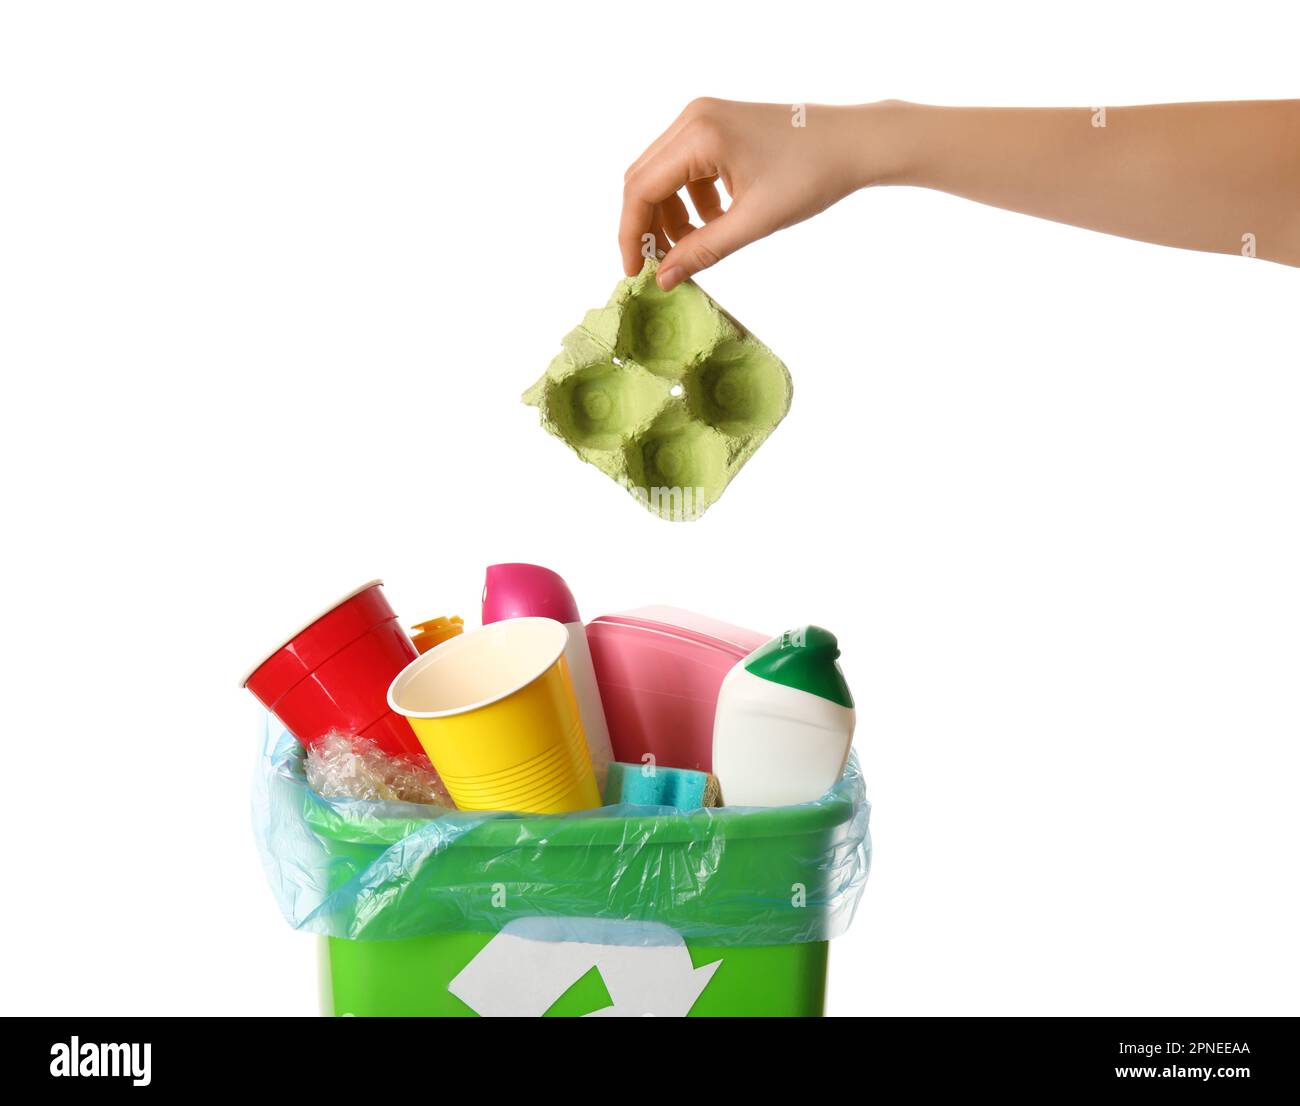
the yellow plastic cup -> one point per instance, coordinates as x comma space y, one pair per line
495, 710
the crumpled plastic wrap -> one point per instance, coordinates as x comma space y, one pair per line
343, 767
386, 870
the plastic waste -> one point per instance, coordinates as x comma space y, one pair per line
435, 631
333, 674
340, 766
659, 670
784, 722
496, 713
524, 591
653, 784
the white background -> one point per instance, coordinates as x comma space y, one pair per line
272, 277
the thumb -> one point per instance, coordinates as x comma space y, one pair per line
707, 245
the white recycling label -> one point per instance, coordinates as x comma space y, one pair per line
531, 962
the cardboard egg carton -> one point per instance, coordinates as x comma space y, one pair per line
665, 392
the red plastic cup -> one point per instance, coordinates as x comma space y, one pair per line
334, 674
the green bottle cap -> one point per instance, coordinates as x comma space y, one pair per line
803, 659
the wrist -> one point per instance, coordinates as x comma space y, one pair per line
891, 145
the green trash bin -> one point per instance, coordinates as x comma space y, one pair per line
623, 910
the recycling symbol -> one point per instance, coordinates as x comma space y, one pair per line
532, 962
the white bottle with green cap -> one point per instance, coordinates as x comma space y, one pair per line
784, 722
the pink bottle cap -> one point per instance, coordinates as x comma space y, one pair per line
527, 591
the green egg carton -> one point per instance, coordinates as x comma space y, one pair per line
665, 392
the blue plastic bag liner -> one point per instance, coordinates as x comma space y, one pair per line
721, 876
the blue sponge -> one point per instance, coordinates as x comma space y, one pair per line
655, 785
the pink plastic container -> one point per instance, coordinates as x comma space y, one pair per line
659, 670
527, 591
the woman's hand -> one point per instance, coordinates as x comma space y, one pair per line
780, 164
1223, 177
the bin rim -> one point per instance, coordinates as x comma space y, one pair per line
365, 870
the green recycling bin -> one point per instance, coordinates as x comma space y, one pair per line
617, 911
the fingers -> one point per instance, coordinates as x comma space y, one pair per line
686, 155
645, 190
709, 244
640, 216
658, 240
676, 221
704, 195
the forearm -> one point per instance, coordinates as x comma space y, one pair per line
1200, 176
